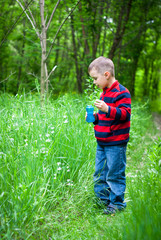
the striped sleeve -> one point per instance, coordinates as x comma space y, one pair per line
122, 110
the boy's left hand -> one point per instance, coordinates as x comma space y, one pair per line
101, 105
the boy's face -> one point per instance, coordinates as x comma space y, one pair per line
100, 80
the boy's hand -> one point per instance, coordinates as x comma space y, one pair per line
101, 105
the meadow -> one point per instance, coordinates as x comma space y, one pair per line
47, 156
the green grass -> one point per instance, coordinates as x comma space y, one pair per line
46, 173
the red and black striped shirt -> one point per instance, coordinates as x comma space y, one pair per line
113, 128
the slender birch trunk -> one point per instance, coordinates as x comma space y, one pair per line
43, 36
44, 72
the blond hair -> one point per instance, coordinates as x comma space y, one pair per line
102, 65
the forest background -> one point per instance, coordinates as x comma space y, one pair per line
47, 151
126, 31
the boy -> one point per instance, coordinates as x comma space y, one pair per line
112, 125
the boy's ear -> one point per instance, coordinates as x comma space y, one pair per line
107, 74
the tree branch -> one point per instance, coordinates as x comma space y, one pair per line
52, 14
31, 14
60, 28
29, 19
15, 23
51, 73
7, 77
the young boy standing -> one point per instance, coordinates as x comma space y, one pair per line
112, 125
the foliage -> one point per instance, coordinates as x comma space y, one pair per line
46, 167
144, 222
91, 31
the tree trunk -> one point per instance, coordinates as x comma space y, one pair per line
84, 33
121, 26
79, 80
22, 54
44, 73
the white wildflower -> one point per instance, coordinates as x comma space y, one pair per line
43, 150
66, 121
48, 140
58, 163
59, 168
47, 135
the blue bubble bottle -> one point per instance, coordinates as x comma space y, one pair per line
90, 117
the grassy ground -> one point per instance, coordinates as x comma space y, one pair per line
46, 166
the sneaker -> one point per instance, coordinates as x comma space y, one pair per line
110, 210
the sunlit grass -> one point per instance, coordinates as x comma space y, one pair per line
46, 165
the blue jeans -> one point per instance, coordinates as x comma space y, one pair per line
109, 176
